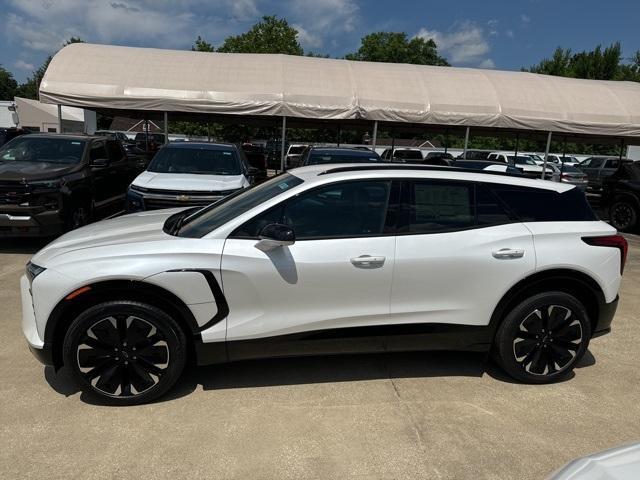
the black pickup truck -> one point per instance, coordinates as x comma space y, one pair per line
52, 183
621, 196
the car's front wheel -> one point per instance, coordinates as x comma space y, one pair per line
125, 352
542, 338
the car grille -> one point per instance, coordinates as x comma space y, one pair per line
158, 203
157, 199
13, 193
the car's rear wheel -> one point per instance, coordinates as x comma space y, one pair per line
542, 338
623, 215
125, 352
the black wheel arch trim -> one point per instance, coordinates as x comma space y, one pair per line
601, 312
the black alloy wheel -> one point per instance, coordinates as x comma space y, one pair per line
125, 352
543, 337
623, 215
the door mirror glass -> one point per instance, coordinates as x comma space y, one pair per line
275, 235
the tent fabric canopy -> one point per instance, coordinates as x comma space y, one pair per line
146, 79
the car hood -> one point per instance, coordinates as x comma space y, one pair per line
128, 229
26, 171
188, 182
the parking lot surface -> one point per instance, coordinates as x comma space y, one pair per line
417, 415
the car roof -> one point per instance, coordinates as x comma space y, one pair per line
359, 151
347, 171
70, 136
200, 145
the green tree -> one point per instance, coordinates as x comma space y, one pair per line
8, 84
270, 35
396, 47
29, 89
200, 45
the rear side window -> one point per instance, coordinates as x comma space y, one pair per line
612, 164
539, 205
438, 207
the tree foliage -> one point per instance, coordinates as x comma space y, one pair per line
396, 47
270, 35
597, 64
8, 84
200, 45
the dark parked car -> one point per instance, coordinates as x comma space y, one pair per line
115, 135
150, 142
7, 134
403, 155
135, 155
50, 183
439, 158
257, 158
322, 155
621, 196
599, 168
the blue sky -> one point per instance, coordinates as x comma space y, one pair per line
503, 34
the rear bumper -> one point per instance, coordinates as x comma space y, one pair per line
606, 313
30, 223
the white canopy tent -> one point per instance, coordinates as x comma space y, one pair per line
144, 79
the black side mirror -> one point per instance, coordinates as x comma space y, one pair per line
99, 162
275, 235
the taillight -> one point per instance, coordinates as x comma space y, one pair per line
615, 241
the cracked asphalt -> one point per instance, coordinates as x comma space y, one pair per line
394, 416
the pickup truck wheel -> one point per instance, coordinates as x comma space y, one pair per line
623, 215
77, 216
542, 338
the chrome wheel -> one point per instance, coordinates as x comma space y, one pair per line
122, 356
548, 340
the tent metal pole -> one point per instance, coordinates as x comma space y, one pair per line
466, 144
59, 118
146, 135
621, 147
546, 155
446, 141
517, 144
282, 146
166, 127
339, 134
375, 134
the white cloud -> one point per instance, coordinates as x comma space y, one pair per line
319, 20
492, 25
22, 65
525, 19
509, 33
464, 43
487, 63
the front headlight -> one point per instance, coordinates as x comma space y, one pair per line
33, 271
136, 188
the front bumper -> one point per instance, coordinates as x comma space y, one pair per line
30, 222
42, 350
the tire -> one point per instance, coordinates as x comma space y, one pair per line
77, 216
542, 338
623, 215
125, 352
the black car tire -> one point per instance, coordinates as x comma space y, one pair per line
623, 215
125, 352
78, 214
543, 337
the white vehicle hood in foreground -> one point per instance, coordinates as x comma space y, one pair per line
622, 463
189, 182
128, 229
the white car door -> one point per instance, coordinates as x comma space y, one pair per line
337, 274
453, 266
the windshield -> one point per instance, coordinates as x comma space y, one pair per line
346, 157
522, 160
408, 154
537, 158
204, 161
64, 151
219, 213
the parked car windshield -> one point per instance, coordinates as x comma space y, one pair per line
317, 158
217, 214
28, 148
408, 154
522, 160
297, 150
204, 161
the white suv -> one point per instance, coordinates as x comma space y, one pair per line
329, 259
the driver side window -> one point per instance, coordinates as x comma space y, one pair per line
347, 209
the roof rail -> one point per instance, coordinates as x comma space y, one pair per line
433, 168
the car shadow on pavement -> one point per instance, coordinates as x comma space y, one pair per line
23, 245
318, 369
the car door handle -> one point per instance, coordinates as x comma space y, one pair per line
367, 261
506, 253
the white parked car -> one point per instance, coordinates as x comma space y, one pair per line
329, 259
560, 159
522, 161
189, 174
403, 155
